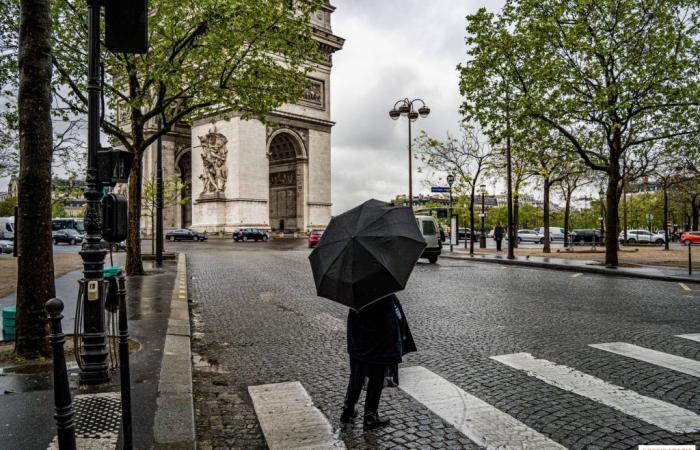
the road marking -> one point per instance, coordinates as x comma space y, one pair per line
685, 287
693, 337
289, 419
576, 275
662, 414
673, 362
482, 423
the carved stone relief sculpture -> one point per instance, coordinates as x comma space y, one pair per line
214, 172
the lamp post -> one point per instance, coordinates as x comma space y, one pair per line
159, 199
450, 182
406, 108
482, 237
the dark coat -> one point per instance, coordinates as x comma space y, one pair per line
498, 233
377, 335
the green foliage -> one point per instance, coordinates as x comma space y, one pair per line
58, 209
7, 206
172, 191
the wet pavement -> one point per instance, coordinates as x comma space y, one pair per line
26, 401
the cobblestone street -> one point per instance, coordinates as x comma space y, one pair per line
515, 343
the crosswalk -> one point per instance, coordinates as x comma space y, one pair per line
290, 420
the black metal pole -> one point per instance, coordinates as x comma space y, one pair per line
124, 371
159, 200
509, 187
410, 167
690, 260
94, 352
65, 428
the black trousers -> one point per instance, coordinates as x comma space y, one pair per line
498, 244
375, 374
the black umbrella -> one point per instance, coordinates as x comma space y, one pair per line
366, 253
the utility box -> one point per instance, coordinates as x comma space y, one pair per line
8, 323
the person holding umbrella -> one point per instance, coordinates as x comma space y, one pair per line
364, 257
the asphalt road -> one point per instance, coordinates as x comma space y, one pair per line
259, 322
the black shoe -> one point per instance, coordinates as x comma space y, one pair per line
373, 421
348, 415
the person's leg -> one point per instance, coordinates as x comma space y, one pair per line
357, 378
374, 393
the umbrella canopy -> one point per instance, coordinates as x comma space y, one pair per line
366, 253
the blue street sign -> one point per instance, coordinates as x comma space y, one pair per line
439, 189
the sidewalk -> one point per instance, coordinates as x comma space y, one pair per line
26, 416
660, 273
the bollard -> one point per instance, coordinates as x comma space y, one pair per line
61, 391
124, 375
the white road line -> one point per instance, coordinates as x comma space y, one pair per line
482, 423
693, 337
656, 412
673, 362
685, 287
576, 275
289, 419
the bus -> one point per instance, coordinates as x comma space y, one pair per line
68, 223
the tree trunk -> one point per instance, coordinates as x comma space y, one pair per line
471, 221
516, 216
35, 275
134, 265
545, 216
665, 217
611, 232
567, 216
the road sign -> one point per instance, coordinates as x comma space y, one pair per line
439, 189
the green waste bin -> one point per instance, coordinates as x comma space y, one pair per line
8, 322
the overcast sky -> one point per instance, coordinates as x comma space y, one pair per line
393, 49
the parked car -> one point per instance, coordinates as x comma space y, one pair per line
642, 236
314, 237
428, 227
6, 246
529, 236
7, 228
690, 237
67, 236
586, 236
185, 234
250, 234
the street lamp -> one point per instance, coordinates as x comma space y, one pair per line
406, 108
450, 182
482, 238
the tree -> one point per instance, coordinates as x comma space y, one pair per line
467, 159
173, 188
577, 177
35, 261
7, 206
578, 67
207, 57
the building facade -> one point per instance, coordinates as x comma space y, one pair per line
246, 173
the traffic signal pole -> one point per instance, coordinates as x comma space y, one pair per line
94, 351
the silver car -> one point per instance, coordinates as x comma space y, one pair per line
529, 236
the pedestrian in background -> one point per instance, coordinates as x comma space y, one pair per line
377, 336
498, 236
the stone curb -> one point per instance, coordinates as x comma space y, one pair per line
173, 426
572, 268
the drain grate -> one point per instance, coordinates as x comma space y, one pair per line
97, 421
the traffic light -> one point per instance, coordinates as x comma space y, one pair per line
114, 218
126, 26
113, 166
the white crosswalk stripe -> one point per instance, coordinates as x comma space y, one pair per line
656, 412
482, 423
693, 337
289, 419
668, 361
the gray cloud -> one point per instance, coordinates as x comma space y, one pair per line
394, 49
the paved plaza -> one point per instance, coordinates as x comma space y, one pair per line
511, 356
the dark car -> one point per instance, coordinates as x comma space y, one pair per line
67, 236
6, 246
249, 234
185, 234
585, 236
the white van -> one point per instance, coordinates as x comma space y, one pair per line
7, 228
429, 229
